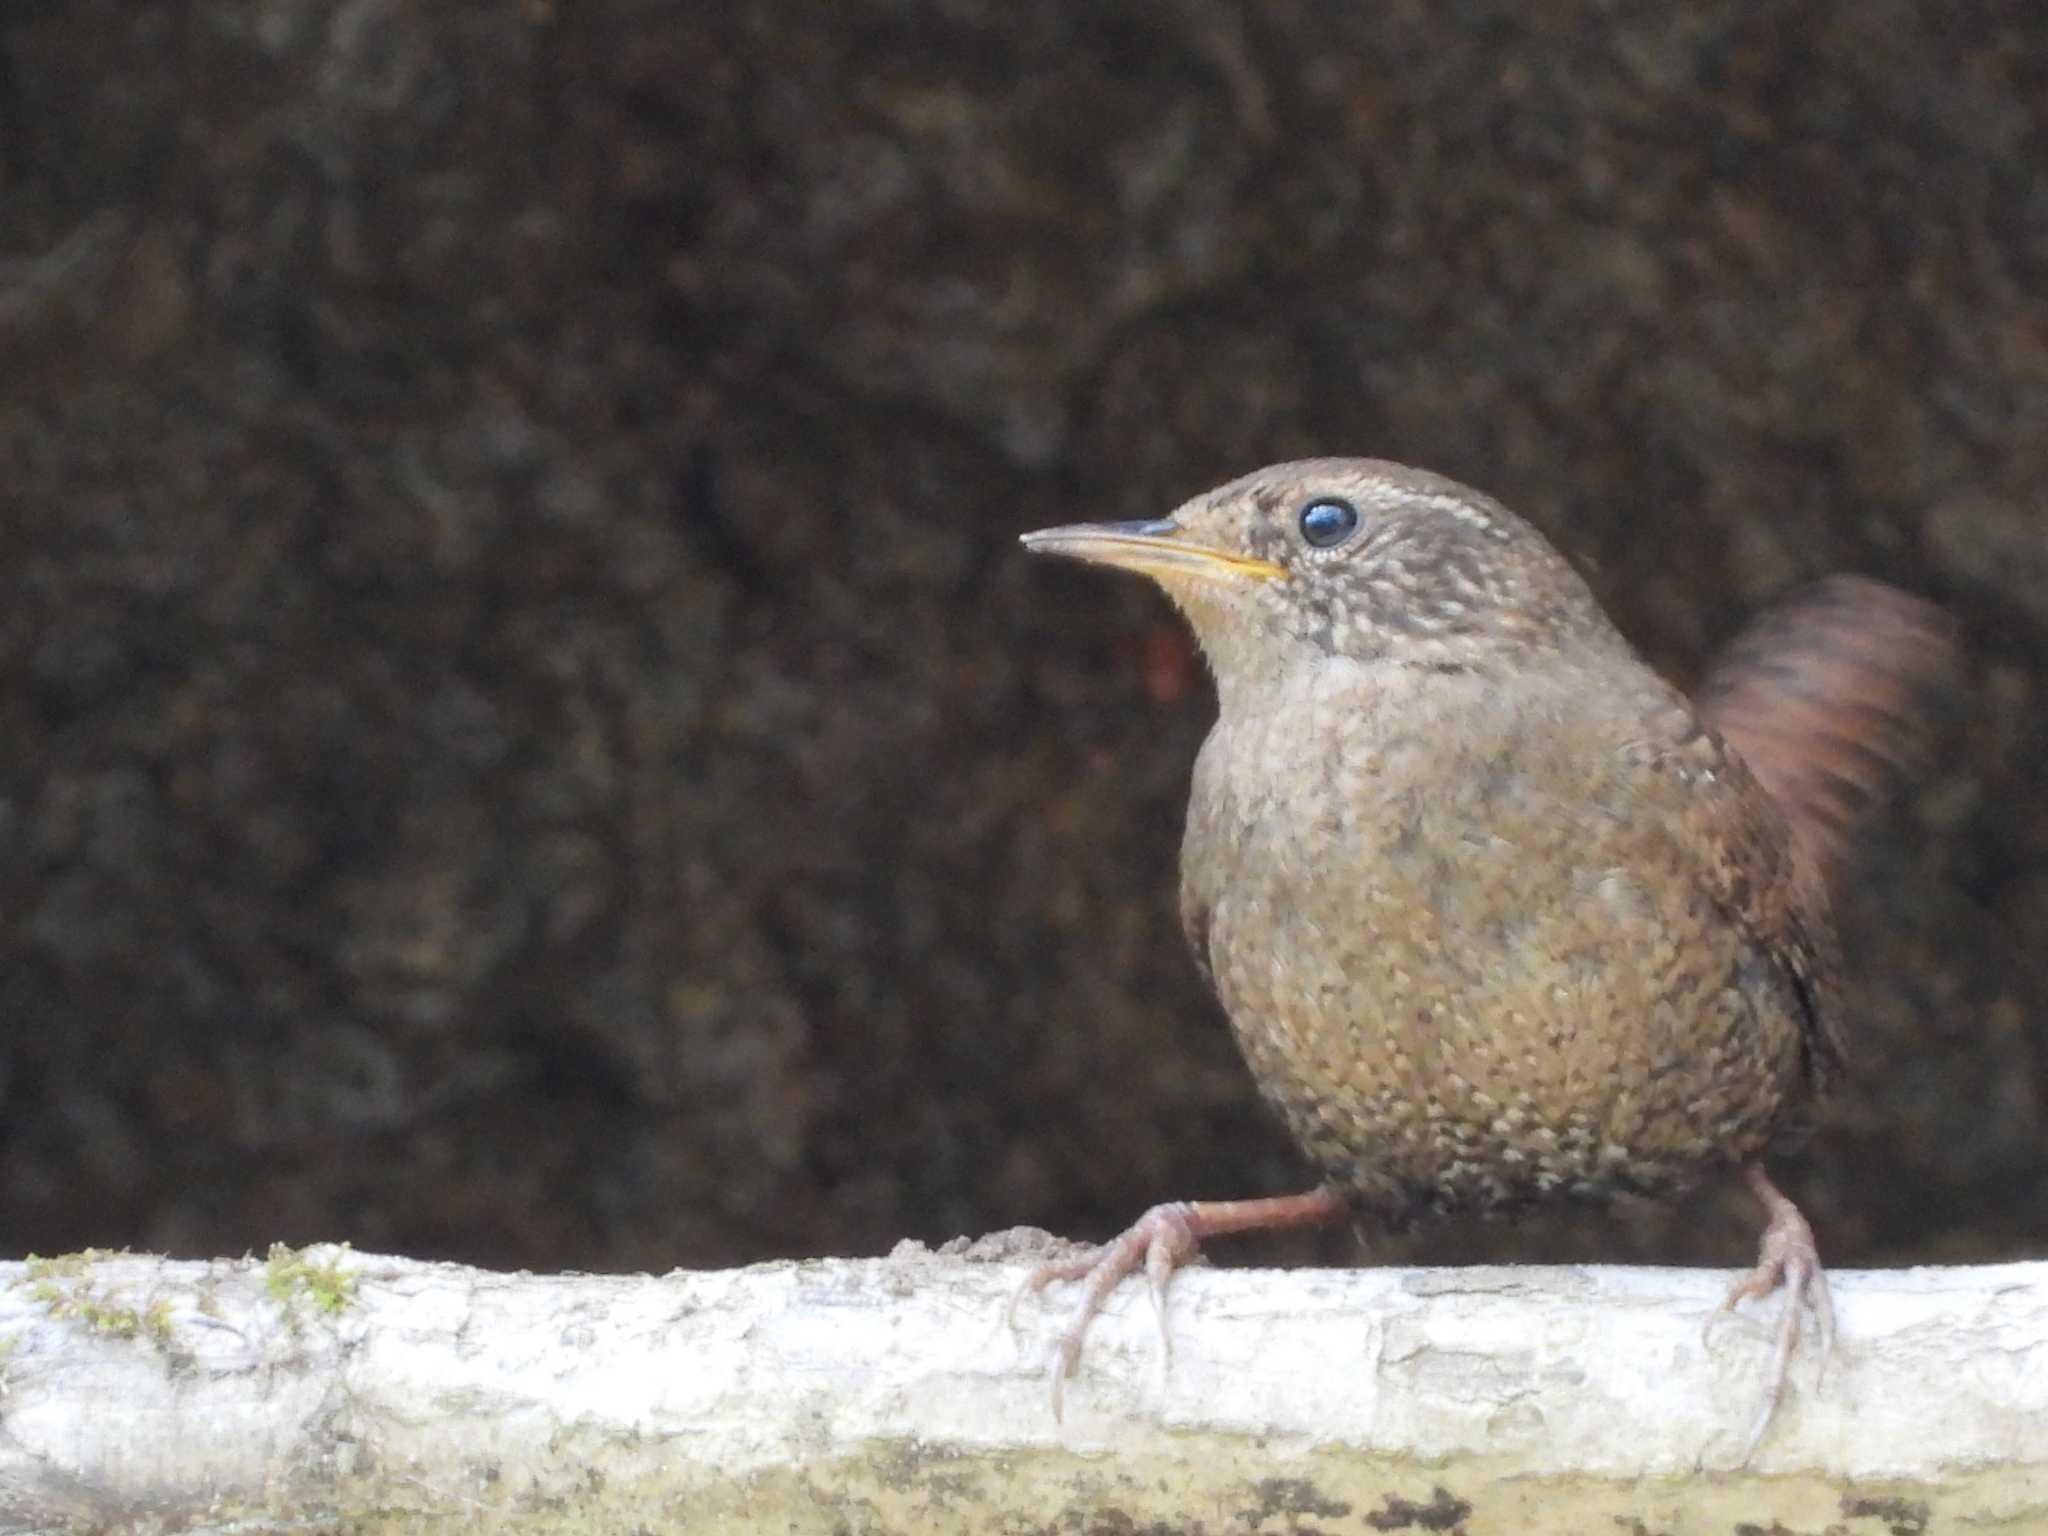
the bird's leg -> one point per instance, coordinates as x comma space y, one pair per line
1787, 1257
1163, 1239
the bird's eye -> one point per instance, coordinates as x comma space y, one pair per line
1328, 521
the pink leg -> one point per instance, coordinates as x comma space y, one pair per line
1787, 1257
1163, 1239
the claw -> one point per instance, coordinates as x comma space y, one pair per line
1160, 1258
1788, 1258
1161, 1241
1044, 1275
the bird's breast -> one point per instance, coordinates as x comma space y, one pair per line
1462, 946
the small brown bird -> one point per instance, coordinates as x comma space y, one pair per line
1497, 915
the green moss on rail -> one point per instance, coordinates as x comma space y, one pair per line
293, 1280
68, 1290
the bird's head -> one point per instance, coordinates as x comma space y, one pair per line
1347, 557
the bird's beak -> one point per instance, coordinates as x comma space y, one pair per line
1160, 549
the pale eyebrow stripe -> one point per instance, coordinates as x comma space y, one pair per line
1384, 495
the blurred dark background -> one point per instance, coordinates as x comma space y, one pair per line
525, 734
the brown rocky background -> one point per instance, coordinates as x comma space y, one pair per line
525, 734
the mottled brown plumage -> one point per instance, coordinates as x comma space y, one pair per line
1498, 916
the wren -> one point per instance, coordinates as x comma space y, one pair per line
1499, 917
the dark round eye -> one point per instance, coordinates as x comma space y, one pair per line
1328, 521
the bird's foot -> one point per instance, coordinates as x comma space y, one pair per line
1161, 1240
1787, 1258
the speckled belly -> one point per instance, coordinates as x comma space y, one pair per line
1474, 1022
